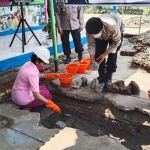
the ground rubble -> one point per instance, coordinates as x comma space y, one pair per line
141, 44
114, 111
85, 94
99, 102
21, 130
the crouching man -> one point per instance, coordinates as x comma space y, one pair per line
104, 36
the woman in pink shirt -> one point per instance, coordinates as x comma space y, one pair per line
26, 91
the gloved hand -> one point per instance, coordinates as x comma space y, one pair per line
51, 75
53, 106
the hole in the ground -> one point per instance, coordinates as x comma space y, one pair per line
131, 137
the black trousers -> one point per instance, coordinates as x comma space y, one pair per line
76, 39
110, 64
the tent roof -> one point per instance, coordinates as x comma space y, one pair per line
108, 2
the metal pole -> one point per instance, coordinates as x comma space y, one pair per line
115, 9
122, 13
53, 27
140, 25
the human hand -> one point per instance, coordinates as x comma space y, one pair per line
80, 28
92, 57
53, 106
60, 31
51, 75
101, 58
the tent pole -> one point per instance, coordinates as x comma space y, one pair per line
140, 25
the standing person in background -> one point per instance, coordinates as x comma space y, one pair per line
105, 35
69, 19
38, 13
26, 91
43, 19
28, 18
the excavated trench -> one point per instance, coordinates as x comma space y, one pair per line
95, 118
130, 135
102, 118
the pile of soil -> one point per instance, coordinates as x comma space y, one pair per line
141, 59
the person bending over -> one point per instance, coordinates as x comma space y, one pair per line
104, 36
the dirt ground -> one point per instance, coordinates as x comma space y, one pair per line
134, 138
131, 137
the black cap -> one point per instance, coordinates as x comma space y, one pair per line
94, 25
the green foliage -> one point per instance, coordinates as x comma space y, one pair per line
97, 9
146, 12
131, 11
47, 27
108, 9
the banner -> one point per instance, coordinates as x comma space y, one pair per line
37, 2
34, 15
7, 2
102, 2
4, 2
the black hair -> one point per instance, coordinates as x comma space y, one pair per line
94, 25
34, 58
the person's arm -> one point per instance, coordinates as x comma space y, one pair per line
102, 57
49, 103
91, 46
58, 20
80, 17
42, 76
34, 86
38, 96
116, 39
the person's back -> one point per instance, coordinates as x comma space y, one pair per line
23, 87
112, 19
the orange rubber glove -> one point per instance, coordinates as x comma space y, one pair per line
51, 75
53, 106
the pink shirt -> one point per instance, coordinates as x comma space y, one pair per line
27, 82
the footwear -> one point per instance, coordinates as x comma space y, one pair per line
67, 61
108, 81
79, 56
101, 79
108, 77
